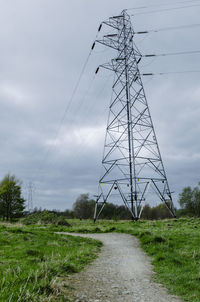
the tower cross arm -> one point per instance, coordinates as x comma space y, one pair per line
109, 41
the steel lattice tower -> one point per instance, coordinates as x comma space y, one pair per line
132, 161
30, 189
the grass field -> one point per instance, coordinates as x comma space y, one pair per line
174, 246
33, 261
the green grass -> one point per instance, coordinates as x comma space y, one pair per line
33, 261
173, 245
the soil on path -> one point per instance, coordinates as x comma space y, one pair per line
121, 273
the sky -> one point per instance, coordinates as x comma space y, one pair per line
55, 141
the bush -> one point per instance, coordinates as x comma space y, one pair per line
45, 217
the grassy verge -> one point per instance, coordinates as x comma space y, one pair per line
174, 246
33, 261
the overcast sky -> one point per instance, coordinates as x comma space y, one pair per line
43, 47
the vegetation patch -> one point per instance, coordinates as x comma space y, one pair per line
173, 245
34, 258
45, 217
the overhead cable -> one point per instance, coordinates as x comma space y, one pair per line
167, 28
169, 72
160, 5
172, 54
67, 108
166, 9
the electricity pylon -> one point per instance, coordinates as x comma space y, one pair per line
30, 189
132, 161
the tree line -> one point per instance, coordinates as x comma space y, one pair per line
12, 205
189, 201
84, 209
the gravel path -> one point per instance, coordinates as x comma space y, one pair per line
122, 273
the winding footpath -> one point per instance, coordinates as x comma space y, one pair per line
121, 273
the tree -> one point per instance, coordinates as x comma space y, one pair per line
68, 214
11, 202
113, 211
109, 211
158, 212
147, 212
84, 207
122, 213
189, 200
161, 212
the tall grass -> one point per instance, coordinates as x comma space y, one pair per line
34, 260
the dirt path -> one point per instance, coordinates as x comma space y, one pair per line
122, 273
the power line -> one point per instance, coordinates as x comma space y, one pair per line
84, 140
85, 95
172, 54
170, 72
166, 9
86, 115
168, 28
70, 102
160, 5
66, 109
73, 94
30, 189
